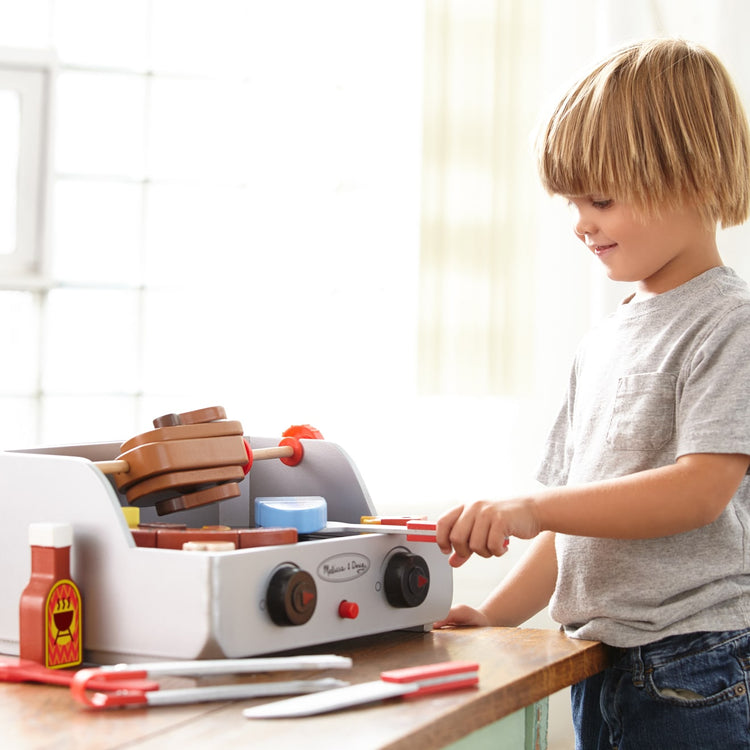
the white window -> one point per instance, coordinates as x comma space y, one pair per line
25, 90
233, 215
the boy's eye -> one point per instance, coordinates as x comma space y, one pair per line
601, 203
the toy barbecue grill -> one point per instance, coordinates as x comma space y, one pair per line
202, 577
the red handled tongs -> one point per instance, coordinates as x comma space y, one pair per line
410, 683
114, 696
13, 669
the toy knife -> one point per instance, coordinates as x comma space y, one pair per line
410, 682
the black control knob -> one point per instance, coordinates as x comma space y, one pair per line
407, 580
291, 596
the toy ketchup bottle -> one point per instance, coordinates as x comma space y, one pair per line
50, 610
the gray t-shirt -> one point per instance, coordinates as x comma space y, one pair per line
656, 380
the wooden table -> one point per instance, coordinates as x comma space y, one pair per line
519, 668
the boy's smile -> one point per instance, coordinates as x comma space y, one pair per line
658, 253
601, 249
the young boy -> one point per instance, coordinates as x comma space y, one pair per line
642, 534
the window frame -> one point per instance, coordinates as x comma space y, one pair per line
31, 74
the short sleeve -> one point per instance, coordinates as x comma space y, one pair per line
713, 404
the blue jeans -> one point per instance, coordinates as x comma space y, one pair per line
685, 691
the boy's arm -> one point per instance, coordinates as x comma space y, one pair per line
525, 591
681, 497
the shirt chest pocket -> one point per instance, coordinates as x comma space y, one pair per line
643, 412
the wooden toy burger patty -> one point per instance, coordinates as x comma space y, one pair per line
192, 459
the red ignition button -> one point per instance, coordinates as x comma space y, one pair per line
348, 610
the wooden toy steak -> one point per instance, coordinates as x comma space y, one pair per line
193, 459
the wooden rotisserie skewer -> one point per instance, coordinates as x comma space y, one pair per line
121, 466
191, 459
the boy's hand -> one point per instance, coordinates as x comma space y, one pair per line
463, 616
484, 527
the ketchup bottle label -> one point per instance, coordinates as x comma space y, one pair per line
63, 642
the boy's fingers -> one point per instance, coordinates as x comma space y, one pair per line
498, 541
465, 530
456, 561
443, 529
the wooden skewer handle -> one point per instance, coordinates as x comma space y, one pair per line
280, 451
119, 466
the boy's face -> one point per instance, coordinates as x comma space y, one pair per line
658, 254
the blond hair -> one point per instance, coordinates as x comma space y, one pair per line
658, 124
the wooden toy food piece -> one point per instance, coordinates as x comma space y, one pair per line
209, 414
192, 459
196, 499
169, 538
182, 466
189, 460
161, 488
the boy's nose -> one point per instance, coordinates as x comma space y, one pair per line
581, 225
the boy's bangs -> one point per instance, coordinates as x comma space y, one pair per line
657, 126
575, 152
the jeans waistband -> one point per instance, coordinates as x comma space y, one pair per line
669, 648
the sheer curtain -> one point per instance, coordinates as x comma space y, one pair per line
481, 63
505, 290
